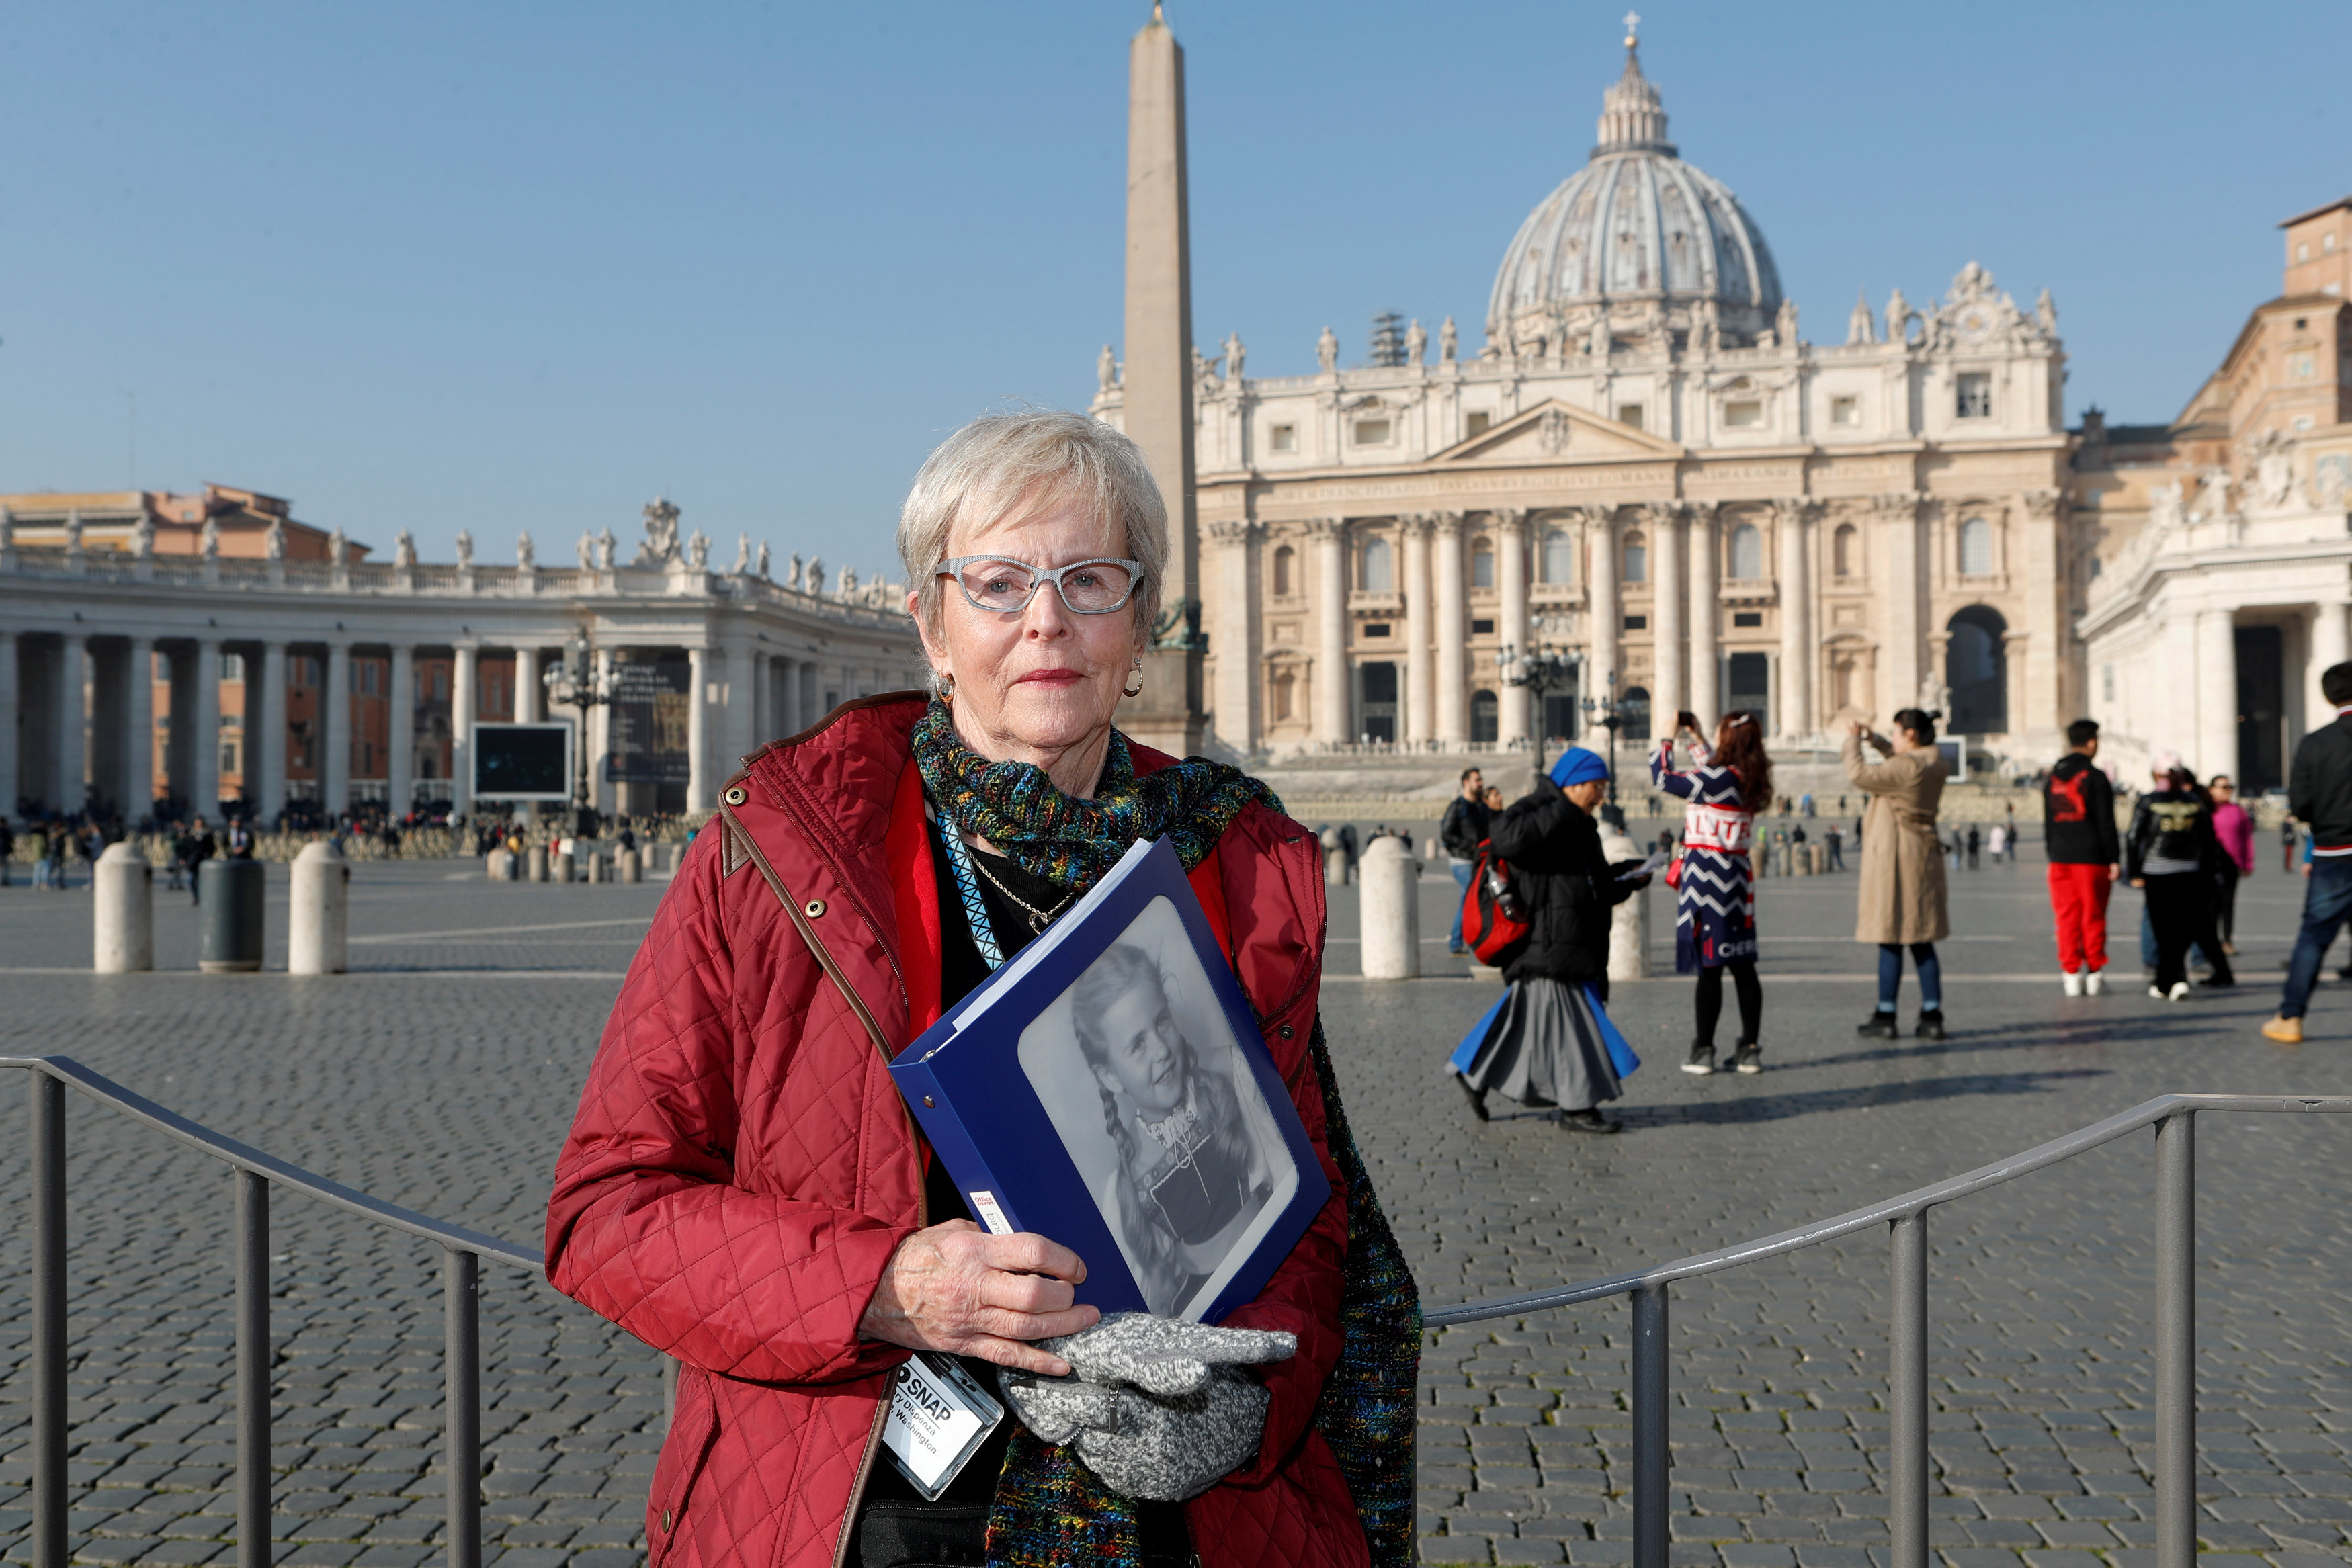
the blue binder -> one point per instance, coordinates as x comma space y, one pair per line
1020, 1098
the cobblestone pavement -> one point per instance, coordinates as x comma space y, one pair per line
443, 1074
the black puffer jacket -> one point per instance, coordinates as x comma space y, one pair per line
2173, 827
1567, 887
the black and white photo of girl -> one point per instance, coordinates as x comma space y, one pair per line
1160, 1114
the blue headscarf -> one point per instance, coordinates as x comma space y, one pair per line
1578, 766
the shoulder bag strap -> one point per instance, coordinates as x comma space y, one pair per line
739, 843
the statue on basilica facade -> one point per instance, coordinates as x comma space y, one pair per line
848, 582
660, 546
1416, 342
605, 547
273, 543
2165, 511
1861, 327
1598, 343
764, 561
586, 550
698, 552
142, 538
526, 553
464, 549
404, 550
1449, 342
1326, 351
1899, 317
2046, 313
209, 539
338, 548
794, 581
1784, 325
1234, 353
1107, 369
742, 553
816, 574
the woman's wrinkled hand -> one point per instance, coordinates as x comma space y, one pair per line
957, 1289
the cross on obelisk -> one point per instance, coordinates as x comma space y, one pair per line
1157, 381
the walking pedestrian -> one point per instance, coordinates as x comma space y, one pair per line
1903, 902
1461, 832
2078, 832
2168, 854
45, 864
1997, 842
1546, 1047
2287, 842
1835, 840
2319, 796
2233, 825
1715, 903
195, 847
1976, 846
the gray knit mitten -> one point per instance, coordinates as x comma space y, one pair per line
1157, 1408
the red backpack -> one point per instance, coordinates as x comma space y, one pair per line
1492, 919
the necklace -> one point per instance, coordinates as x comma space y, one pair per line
1038, 918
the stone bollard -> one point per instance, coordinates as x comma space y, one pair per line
1629, 922
630, 865
561, 867
125, 905
1390, 924
596, 873
535, 864
494, 862
1783, 847
1819, 855
1760, 856
318, 919
1802, 862
230, 894
1335, 859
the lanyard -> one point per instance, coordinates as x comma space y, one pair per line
967, 881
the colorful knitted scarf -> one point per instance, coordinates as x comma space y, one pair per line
1069, 841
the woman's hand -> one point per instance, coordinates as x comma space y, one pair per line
2140, 881
1854, 727
955, 1289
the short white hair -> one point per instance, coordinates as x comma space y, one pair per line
1007, 464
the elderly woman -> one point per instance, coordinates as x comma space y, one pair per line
1902, 902
744, 1190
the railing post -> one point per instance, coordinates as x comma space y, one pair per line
462, 1403
2176, 1341
1650, 1415
1906, 1394
255, 1361
48, 1320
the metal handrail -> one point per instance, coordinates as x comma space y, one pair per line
462, 1252
2174, 1118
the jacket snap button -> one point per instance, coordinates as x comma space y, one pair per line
928, 1103
1284, 1031
664, 1519
813, 908
735, 797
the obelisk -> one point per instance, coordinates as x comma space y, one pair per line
1157, 383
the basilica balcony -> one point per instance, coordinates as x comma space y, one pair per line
1749, 591
1379, 601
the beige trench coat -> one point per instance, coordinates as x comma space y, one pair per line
1902, 858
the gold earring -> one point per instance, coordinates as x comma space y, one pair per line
1136, 690
947, 689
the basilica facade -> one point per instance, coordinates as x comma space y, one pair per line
1648, 490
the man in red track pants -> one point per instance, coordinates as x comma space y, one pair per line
2078, 828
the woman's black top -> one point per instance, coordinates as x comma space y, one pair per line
2171, 835
896, 1525
1565, 883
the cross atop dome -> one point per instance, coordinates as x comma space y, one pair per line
1632, 27
1632, 117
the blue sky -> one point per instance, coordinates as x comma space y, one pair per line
525, 265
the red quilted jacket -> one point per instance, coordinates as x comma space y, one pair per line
741, 1166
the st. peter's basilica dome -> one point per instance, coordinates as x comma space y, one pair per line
1638, 235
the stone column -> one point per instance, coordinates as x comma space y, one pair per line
2016, 659
1606, 617
740, 739
2330, 646
137, 791
464, 696
204, 774
697, 760
599, 738
400, 737
1233, 643
788, 696
2216, 694
1158, 380
1517, 702
1334, 713
179, 748
266, 745
529, 693
67, 789
1665, 523
1795, 698
1420, 727
1453, 661
335, 744
1705, 613
1901, 631
12, 705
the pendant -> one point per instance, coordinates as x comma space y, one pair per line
1038, 921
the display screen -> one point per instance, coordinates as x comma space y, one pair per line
522, 761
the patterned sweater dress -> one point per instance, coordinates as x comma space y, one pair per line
1715, 907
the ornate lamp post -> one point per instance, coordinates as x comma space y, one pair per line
576, 683
1610, 715
1548, 666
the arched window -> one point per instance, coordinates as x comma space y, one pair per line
1841, 547
1379, 567
1482, 562
1278, 699
1746, 552
1558, 560
1637, 559
1976, 668
1286, 560
1633, 710
1486, 717
1976, 547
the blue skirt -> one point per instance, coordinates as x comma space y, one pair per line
1715, 912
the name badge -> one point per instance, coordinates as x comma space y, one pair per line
939, 1416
